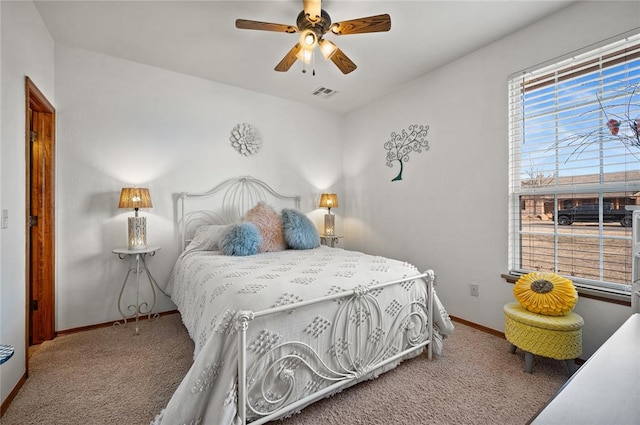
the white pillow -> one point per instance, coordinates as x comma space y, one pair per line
206, 238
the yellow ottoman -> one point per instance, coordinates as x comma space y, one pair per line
557, 337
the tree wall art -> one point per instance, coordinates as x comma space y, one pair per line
400, 145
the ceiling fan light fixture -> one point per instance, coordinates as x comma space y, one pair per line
308, 40
327, 48
312, 24
305, 56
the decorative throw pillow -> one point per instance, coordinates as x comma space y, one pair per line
546, 293
269, 223
240, 239
206, 238
299, 231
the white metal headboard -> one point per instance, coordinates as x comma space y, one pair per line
226, 203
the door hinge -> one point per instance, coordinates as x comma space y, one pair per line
34, 305
33, 136
33, 220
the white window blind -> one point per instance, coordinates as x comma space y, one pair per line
575, 165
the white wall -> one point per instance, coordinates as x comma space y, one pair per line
450, 211
26, 50
121, 123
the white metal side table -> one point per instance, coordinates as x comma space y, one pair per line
137, 265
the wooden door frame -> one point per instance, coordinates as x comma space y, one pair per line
36, 101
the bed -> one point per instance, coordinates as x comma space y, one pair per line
277, 330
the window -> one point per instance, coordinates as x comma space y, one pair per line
575, 166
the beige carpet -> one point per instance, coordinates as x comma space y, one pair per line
111, 376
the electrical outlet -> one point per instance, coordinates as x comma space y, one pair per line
473, 289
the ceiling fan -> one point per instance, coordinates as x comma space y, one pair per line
312, 24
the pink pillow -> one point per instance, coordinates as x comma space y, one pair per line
269, 223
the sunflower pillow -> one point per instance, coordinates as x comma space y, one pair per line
546, 293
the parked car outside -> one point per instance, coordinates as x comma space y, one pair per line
590, 213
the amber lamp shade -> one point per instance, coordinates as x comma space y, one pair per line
329, 200
136, 197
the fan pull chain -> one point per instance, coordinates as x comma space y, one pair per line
313, 64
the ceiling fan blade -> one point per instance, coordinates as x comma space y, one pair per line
289, 59
377, 23
245, 24
343, 62
313, 9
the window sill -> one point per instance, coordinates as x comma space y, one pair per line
587, 292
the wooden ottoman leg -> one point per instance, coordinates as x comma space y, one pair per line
528, 362
512, 349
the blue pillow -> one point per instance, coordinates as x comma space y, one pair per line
240, 239
299, 231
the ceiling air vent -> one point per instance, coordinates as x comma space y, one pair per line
324, 92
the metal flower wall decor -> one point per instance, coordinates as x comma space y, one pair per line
245, 139
400, 145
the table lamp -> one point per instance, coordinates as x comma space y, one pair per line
136, 197
329, 200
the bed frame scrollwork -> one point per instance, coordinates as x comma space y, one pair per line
364, 349
232, 199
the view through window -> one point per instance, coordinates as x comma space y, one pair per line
575, 166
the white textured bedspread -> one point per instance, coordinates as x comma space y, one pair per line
209, 290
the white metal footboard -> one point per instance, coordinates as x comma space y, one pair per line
364, 348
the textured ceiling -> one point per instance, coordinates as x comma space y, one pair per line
199, 38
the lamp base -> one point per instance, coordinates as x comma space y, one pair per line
137, 232
329, 224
